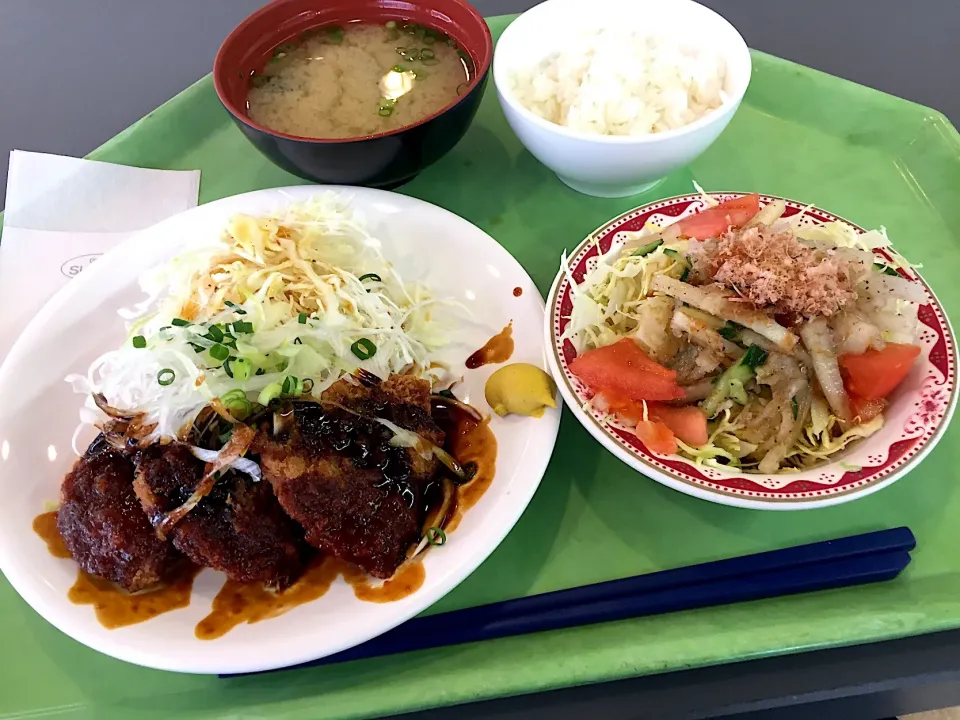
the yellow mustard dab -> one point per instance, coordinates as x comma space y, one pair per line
520, 389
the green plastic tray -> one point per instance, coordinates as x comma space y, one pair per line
872, 158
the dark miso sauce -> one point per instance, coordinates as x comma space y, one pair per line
498, 349
474, 446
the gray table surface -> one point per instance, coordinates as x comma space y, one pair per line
74, 73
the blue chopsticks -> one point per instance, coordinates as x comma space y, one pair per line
854, 560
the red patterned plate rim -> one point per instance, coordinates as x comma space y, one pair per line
919, 413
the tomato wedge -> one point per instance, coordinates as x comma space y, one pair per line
715, 221
866, 410
623, 370
876, 373
657, 437
687, 422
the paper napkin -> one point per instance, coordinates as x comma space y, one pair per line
62, 213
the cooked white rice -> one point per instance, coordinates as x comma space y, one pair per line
616, 82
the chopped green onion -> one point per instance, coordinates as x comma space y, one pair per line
410, 29
307, 385
391, 25
685, 274
427, 54
335, 34
436, 536
220, 352
370, 276
795, 407
269, 393
180, 322
647, 249
236, 308
297, 341
236, 402
242, 326
139, 341
214, 333
398, 69
385, 111
225, 437
447, 394
166, 376
364, 348
260, 371
232, 396
242, 369
302, 318
197, 348
291, 386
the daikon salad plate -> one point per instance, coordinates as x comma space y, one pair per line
423, 243
916, 414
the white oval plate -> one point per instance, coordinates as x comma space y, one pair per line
39, 414
920, 409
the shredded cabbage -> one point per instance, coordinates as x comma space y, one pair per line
276, 300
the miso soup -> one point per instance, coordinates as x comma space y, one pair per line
358, 79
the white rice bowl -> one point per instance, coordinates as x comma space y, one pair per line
623, 82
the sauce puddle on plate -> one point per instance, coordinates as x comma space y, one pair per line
117, 608
472, 442
405, 582
114, 606
239, 603
517, 291
45, 526
498, 349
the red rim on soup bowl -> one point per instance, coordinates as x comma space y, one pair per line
384, 160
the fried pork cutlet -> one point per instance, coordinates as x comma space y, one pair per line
356, 496
239, 528
104, 528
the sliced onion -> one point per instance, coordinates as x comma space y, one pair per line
113, 412
244, 465
239, 442
817, 337
460, 405
438, 517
